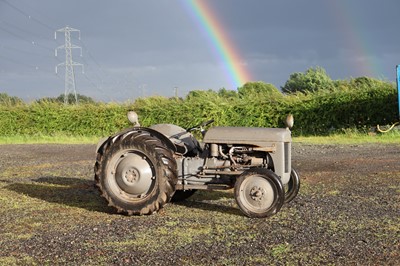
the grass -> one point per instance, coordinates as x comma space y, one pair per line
348, 137
55, 139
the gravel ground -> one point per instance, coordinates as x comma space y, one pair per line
347, 213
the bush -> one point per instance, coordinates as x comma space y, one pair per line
357, 103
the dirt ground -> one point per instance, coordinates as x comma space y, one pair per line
347, 213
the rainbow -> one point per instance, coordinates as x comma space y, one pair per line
207, 21
348, 26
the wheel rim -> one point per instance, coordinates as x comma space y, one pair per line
257, 193
131, 175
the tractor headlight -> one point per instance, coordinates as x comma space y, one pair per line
289, 121
133, 118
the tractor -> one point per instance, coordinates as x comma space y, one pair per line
140, 169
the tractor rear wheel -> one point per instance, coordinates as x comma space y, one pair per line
136, 173
259, 193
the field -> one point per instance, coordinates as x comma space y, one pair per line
347, 213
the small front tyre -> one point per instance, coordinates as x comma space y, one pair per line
292, 187
259, 193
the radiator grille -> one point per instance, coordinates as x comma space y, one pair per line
287, 156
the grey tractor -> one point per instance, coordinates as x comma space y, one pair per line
140, 169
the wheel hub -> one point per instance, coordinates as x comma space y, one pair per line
132, 175
257, 193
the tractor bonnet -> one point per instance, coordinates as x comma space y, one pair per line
245, 135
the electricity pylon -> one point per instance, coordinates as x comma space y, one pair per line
69, 63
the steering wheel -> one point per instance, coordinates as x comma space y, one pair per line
200, 126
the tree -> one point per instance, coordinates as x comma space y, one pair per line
312, 80
201, 94
366, 82
228, 94
5, 99
70, 99
258, 90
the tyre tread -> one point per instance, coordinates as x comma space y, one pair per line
164, 157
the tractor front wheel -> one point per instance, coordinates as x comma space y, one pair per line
292, 187
259, 193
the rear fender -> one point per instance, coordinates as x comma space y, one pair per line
152, 132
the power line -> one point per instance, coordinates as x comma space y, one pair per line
28, 52
22, 30
103, 75
25, 39
28, 16
20, 63
40, 13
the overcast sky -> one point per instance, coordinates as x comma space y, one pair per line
141, 48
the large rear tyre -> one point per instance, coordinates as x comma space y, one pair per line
259, 193
136, 173
292, 187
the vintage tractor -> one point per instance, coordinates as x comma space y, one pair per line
140, 169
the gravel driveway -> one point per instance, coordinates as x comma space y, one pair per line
347, 213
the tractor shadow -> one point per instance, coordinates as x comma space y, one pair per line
82, 193
73, 192
213, 201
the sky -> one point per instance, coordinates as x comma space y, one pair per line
142, 48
